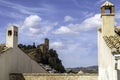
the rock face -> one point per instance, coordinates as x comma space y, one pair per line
48, 58
41, 76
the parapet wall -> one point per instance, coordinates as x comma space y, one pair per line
42, 76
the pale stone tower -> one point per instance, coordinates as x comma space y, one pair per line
107, 15
12, 36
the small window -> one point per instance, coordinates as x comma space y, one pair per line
107, 11
9, 33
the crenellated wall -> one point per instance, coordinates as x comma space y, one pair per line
45, 76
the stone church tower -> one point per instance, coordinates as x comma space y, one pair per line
12, 37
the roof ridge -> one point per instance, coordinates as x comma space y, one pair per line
107, 3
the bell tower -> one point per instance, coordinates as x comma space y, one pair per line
12, 36
46, 44
107, 15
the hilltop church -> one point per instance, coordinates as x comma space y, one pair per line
13, 59
108, 44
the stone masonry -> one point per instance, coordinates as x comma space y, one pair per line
46, 76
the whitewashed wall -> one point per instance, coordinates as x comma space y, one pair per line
106, 61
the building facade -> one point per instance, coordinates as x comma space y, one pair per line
108, 44
13, 59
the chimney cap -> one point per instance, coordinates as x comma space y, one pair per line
107, 4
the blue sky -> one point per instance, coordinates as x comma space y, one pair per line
70, 25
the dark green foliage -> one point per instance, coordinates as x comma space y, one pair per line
50, 57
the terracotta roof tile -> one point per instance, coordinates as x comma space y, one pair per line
113, 41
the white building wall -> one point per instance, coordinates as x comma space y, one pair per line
12, 40
108, 25
117, 56
106, 60
16, 61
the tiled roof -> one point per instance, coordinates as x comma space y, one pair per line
113, 41
3, 48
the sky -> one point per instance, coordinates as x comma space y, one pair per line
70, 25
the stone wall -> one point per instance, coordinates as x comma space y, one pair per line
43, 76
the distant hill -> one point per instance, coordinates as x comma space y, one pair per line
49, 58
90, 69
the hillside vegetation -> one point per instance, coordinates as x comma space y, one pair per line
49, 58
89, 69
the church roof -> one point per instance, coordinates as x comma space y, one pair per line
113, 41
3, 48
107, 3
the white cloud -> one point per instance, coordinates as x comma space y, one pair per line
34, 31
89, 23
68, 18
56, 45
32, 20
64, 30
92, 22
33, 25
117, 15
